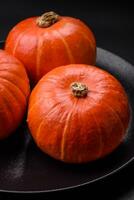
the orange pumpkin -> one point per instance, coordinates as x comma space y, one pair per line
78, 113
43, 43
14, 91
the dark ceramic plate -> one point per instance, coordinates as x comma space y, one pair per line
24, 168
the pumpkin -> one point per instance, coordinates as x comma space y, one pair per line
14, 91
43, 43
78, 113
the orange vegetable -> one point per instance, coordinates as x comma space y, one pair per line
43, 43
78, 113
14, 91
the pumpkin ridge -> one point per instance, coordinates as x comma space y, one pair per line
87, 28
11, 72
80, 23
37, 135
71, 58
38, 55
113, 111
18, 89
49, 112
117, 115
35, 103
63, 136
14, 97
14, 74
18, 40
99, 132
9, 63
15, 86
39, 128
3, 118
87, 38
7, 107
65, 131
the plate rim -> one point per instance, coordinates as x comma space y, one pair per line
109, 54
70, 187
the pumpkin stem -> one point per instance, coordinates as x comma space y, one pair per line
47, 19
79, 89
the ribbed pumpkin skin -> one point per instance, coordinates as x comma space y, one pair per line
14, 91
78, 130
41, 49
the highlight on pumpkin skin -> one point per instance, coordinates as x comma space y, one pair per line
78, 113
45, 42
14, 92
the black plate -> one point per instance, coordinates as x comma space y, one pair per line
24, 168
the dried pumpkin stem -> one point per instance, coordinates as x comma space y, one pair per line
47, 19
79, 89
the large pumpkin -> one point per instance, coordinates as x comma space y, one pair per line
43, 43
14, 91
78, 113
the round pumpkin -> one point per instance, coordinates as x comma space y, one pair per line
43, 43
14, 91
78, 113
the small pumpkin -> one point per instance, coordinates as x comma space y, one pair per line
43, 43
14, 91
78, 113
